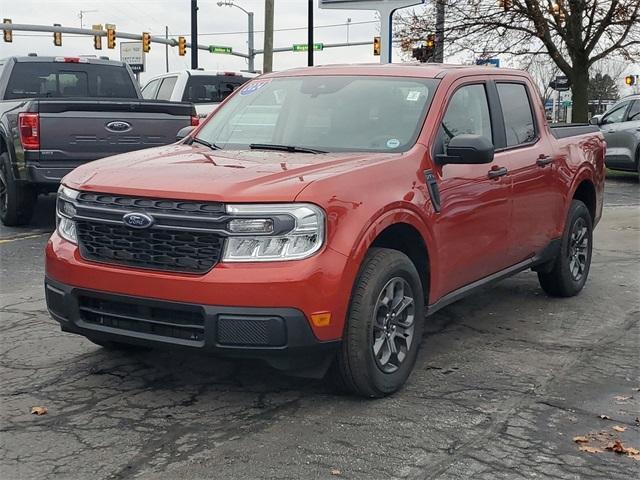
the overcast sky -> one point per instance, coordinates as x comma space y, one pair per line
223, 25
135, 16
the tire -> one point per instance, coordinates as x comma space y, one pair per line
117, 346
17, 202
570, 269
385, 275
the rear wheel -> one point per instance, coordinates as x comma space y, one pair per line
571, 267
384, 325
16, 201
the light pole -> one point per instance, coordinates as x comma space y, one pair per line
229, 3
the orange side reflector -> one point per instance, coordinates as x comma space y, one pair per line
321, 319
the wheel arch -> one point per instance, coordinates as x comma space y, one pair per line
585, 191
403, 230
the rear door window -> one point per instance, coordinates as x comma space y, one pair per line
62, 79
517, 112
166, 88
211, 88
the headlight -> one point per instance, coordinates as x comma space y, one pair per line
250, 239
65, 211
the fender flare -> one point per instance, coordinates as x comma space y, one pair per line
397, 213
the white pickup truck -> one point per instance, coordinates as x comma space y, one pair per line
204, 88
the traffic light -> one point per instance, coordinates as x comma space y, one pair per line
146, 42
111, 36
7, 34
505, 4
431, 41
630, 80
57, 36
182, 46
97, 39
376, 46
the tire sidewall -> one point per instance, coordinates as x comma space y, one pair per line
398, 266
578, 210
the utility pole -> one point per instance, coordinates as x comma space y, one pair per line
251, 46
194, 34
310, 35
440, 11
166, 48
267, 65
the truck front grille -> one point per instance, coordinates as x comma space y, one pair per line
186, 237
154, 248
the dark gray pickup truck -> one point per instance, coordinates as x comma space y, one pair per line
59, 112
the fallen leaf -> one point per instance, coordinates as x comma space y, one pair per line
605, 417
588, 449
618, 428
580, 439
620, 398
616, 447
335, 471
39, 410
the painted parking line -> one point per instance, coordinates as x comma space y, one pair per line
23, 237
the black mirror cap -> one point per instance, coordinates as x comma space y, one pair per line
468, 149
184, 132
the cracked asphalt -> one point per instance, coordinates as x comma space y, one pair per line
505, 379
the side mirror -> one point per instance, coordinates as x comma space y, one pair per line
595, 120
467, 149
184, 132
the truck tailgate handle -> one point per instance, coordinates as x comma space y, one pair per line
544, 160
497, 172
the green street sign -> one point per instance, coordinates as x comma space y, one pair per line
567, 103
303, 47
219, 49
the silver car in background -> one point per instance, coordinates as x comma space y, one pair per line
621, 128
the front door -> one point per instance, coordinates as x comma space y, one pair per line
616, 129
473, 225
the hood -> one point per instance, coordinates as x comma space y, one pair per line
195, 172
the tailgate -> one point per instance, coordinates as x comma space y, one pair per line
76, 131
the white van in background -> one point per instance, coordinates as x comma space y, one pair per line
204, 88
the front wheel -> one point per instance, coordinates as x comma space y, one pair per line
570, 269
384, 325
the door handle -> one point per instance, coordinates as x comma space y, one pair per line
497, 172
544, 160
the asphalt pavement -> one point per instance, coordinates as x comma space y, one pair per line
504, 383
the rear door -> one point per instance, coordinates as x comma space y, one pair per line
473, 225
207, 91
537, 203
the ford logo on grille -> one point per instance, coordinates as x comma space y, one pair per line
118, 126
137, 220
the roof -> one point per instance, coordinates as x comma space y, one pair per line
46, 59
425, 70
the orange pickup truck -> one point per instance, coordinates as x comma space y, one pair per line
320, 214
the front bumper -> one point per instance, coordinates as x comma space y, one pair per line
280, 336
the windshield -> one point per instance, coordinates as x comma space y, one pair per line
327, 113
61, 79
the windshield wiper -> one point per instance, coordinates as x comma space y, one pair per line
284, 148
212, 146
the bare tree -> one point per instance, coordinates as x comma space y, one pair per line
575, 34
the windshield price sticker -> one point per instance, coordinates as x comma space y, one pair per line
413, 96
253, 87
